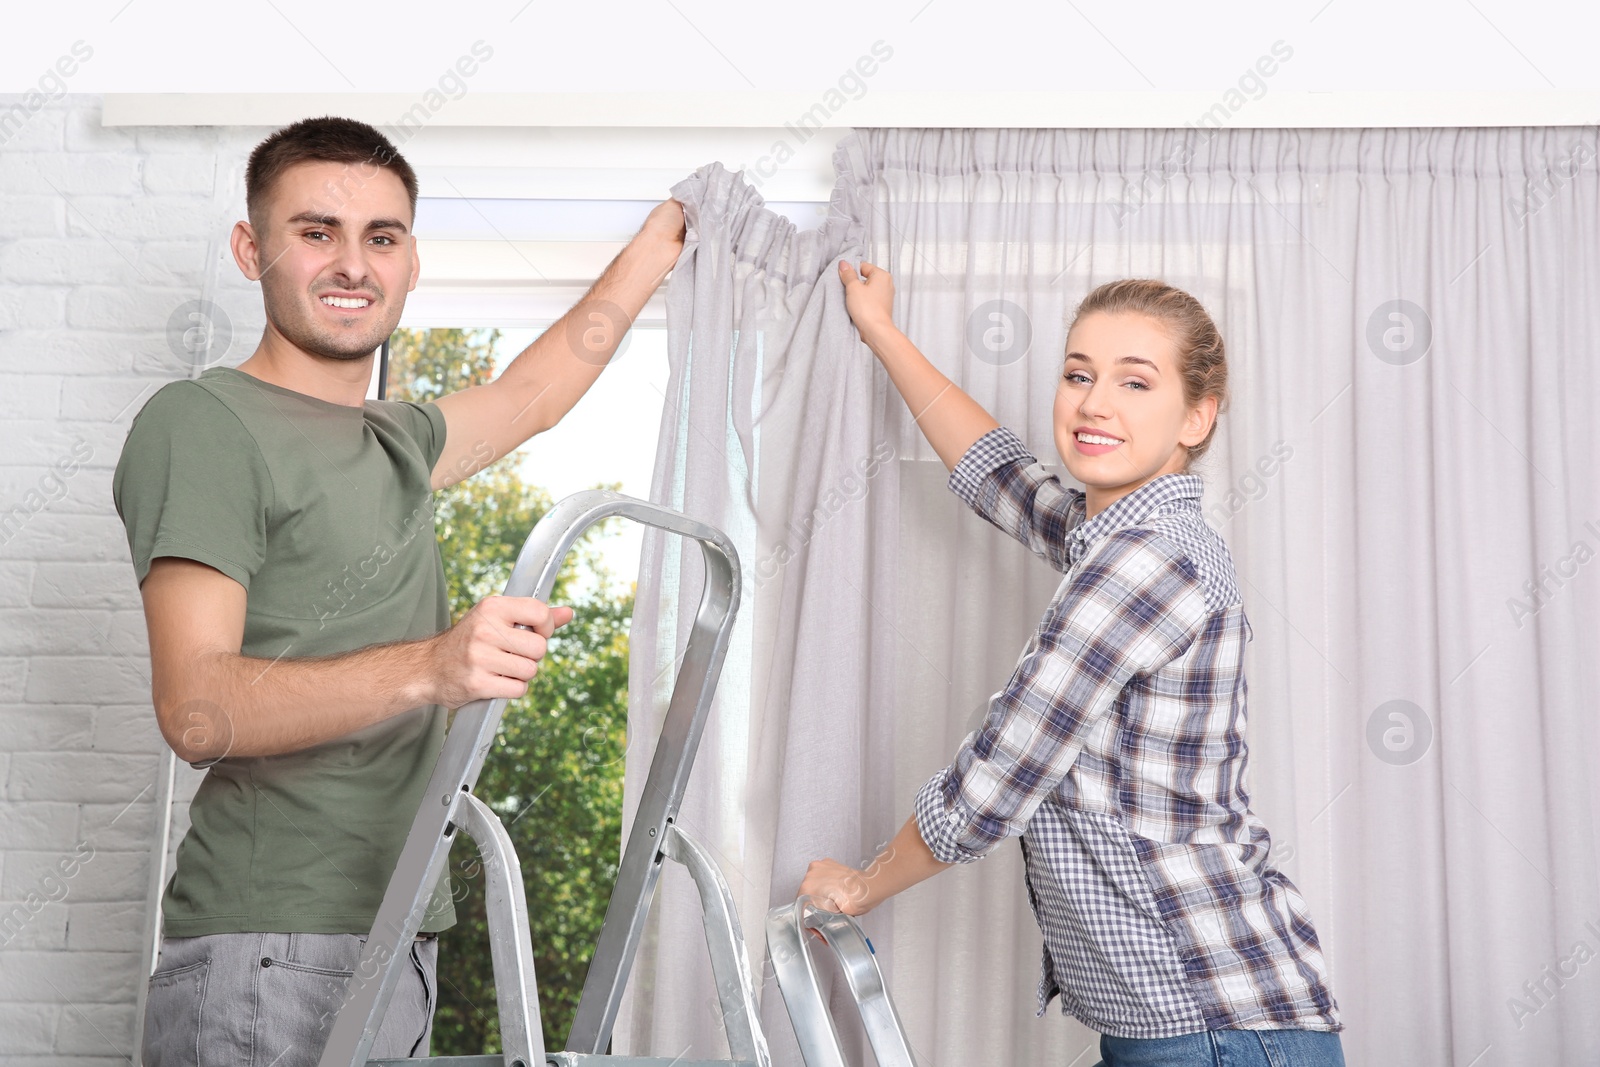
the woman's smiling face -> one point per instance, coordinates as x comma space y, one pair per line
1121, 418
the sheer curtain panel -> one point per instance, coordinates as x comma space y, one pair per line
1405, 478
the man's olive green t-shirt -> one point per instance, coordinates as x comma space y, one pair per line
323, 512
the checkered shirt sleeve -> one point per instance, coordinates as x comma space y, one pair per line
1133, 605
1001, 480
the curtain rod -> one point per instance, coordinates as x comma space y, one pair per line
1275, 108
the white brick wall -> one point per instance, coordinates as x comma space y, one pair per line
103, 233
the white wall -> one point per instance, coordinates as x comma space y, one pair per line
102, 234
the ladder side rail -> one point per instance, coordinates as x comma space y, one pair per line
629, 907
410, 890
405, 901
150, 949
510, 942
427, 845
801, 988
890, 1045
730, 964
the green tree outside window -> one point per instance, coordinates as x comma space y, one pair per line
555, 773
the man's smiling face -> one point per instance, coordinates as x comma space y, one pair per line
338, 257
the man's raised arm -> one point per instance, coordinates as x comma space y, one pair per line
484, 422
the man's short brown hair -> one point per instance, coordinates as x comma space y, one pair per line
328, 139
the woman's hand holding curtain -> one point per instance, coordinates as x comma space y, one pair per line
950, 419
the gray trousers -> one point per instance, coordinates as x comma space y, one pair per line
269, 1000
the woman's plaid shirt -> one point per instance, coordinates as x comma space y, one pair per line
1117, 752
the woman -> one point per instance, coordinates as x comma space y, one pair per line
1116, 750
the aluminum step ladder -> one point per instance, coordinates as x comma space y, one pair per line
449, 806
789, 945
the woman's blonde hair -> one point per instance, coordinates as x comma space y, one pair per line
1202, 359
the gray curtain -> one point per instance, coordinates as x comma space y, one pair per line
1404, 477
763, 436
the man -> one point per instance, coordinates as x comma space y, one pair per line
300, 638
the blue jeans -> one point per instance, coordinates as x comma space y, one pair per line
1225, 1048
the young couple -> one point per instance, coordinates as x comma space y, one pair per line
1116, 749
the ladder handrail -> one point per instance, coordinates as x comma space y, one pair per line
802, 989
456, 771
676, 745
